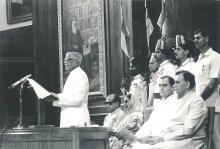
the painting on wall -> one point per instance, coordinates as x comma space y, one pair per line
18, 11
81, 29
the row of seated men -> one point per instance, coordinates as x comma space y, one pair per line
179, 95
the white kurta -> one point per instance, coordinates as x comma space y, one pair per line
74, 100
159, 118
112, 119
188, 113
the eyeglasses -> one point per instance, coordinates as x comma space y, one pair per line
108, 103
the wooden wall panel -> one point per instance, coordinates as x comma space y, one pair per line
118, 62
46, 45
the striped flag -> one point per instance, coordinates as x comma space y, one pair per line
149, 27
124, 33
161, 19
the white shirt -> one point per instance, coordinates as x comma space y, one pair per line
188, 65
159, 118
74, 100
188, 113
112, 119
208, 67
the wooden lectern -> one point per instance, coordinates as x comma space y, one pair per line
56, 138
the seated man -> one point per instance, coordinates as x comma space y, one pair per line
113, 103
162, 112
164, 54
186, 123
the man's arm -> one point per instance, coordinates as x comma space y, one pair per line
192, 123
210, 88
76, 92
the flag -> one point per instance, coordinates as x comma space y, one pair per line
149, 27
124, 33
161, 19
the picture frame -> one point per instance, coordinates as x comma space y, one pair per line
18, 11
87, 17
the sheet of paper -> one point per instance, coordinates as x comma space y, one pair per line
39, 90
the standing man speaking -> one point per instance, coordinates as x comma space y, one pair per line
73, 100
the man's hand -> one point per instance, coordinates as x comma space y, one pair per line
52, 97
151, 140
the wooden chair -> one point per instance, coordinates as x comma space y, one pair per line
210, 125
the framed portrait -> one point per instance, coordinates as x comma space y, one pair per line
18, 11
81, 29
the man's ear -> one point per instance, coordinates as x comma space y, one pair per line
173, 89
207, 39
187, 52
188, 84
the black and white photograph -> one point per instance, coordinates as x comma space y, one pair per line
110, 74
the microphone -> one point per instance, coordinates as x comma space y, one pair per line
19, 81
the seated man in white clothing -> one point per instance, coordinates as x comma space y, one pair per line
164, 54
162, 112
187, 119
113, 102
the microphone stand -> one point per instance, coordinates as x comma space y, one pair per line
20, 119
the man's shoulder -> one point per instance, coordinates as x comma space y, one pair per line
169, 65
119, 111
210, 53
78, 72
195, 98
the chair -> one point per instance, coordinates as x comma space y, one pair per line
210, 125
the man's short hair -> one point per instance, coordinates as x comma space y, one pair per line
170, 79
76, 56
188, 76
203, 32
168, 53
114, 98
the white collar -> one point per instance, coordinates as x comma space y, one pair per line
185, 62
206, 53
164, 62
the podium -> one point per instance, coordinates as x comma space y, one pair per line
56, 138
